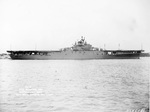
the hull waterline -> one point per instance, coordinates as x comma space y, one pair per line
79, 51
74, 56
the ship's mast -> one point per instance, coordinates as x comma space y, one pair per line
141, 46
118, 46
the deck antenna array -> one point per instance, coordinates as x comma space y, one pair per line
118, 46
104, 47
141, 46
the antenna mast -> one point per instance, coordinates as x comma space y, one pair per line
141, 46
118, 46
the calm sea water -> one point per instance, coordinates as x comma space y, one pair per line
74, 85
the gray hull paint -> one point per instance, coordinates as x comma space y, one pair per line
74, 55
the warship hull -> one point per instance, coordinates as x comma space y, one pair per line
79, 51
70, 55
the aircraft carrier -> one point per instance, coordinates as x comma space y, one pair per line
81, 50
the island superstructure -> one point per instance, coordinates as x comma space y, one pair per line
81, 50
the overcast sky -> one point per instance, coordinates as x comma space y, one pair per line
55, 24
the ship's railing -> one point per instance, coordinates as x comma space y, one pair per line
30, 52
117, 52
